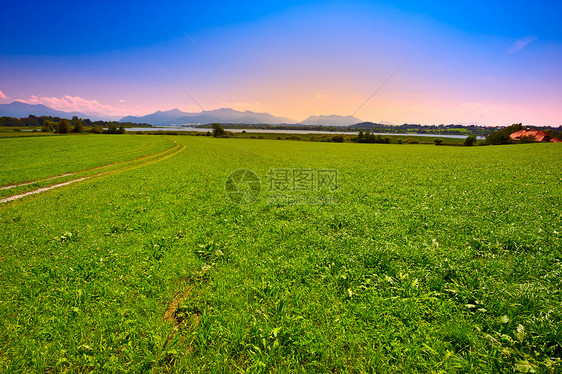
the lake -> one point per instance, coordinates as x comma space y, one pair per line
167, 128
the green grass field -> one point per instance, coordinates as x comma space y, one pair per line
36, 157
428, 259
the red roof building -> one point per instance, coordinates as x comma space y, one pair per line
538, 135
555, 140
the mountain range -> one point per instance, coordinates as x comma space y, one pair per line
17, 109
224, 115
177, 117
333, 120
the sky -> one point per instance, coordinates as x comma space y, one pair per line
427, 62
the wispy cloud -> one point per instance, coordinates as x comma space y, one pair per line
2, 96
521, 43
74, 103
321, 96
189, 37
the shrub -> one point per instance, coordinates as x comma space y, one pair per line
218, 130
97, 129
470, 140
78, 127
337, 139
498, 137
412, 141
48, 126
63, 127
438, 141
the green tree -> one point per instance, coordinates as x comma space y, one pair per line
498, 137
438, 141
470, 140
360, 137
64, 126
112, 129
78, 126
513, 128
97, 129
48, 126
218, 130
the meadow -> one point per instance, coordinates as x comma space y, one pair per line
426, 258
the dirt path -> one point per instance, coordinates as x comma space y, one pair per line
152, 159
15, 197
40, 180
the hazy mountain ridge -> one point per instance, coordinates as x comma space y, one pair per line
333, 120
20, 109
175, 116
223, 115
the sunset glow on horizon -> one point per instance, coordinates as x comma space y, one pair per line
469, 64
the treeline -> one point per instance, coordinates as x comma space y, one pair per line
377, 128
372, 128
421, 129
64, 126
369, 137
39, 121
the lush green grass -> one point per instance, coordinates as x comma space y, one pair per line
36, 157
432, 259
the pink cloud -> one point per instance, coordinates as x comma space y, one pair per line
69, 103
2, 96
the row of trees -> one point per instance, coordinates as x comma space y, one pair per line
502, 136
64, 127
369, 137
39, 121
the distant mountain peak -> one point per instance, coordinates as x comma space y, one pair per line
19, 109
222, 115
330, 120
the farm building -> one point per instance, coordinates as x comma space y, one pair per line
538, 135
555, 140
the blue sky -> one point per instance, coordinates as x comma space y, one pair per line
473, 62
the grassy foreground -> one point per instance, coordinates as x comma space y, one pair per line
430, 259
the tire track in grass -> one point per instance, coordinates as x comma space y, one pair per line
87, 170
142, 161
40, 180
15, 197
